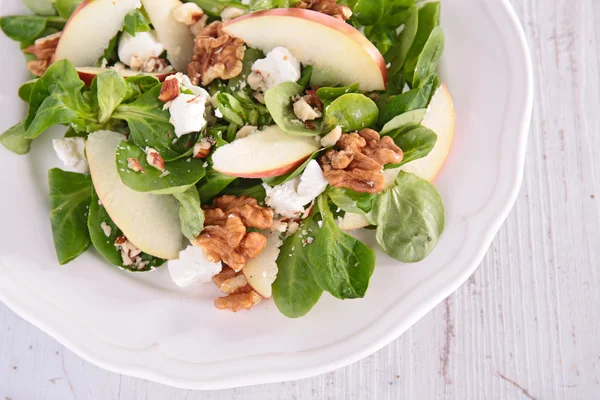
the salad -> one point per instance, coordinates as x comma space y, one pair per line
240, 142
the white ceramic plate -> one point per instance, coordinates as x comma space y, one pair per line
141, 325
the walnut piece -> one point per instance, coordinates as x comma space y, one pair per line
237, 302
329, 7
170, 89
358, 161
225, 237
216, 55
154, 158
43, 49
202, 149
134, 164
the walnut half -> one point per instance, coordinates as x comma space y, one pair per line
216, 55
358, 160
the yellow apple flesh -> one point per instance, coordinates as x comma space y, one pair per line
151, 222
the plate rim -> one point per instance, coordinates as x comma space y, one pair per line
18, 303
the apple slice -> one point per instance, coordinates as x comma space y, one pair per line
334, 48
91, 28
261, 271
174, 36
263, 154
441, 119
151, 222
87, 74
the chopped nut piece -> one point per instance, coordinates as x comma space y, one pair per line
202, 149
43, 49
130, 254
313, 100
332, 137
154, 159
329, 7
237, 302
188, 13
216, 55
358, 162
134, 164
156, 64
170, 88
304, 111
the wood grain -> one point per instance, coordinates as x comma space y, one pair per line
525, 326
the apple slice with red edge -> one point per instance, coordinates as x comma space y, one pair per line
90, 29
334, 48
151, 222
440, 118
261, 271
87, 74
174, 36
263, 154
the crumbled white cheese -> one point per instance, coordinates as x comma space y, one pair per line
140, 48
187, 114
290, 198
304, 111
193, 266
187, 13
71, 153
106, 228
279, 66
332, 137
231, 13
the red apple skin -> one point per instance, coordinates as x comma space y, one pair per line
267, 174
88, 77
326, 20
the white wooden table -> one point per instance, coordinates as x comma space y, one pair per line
525, 326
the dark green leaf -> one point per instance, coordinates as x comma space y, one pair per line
70, 196
304, 80
23, 28
213, 184
409, 218
368, 12
149, 123
250, 57
341, 265
329, 94
138, 85
231, 109
179, 175
428, 59
429, 18
14, 139
416, 142
295, 290
351, 112
409, 101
